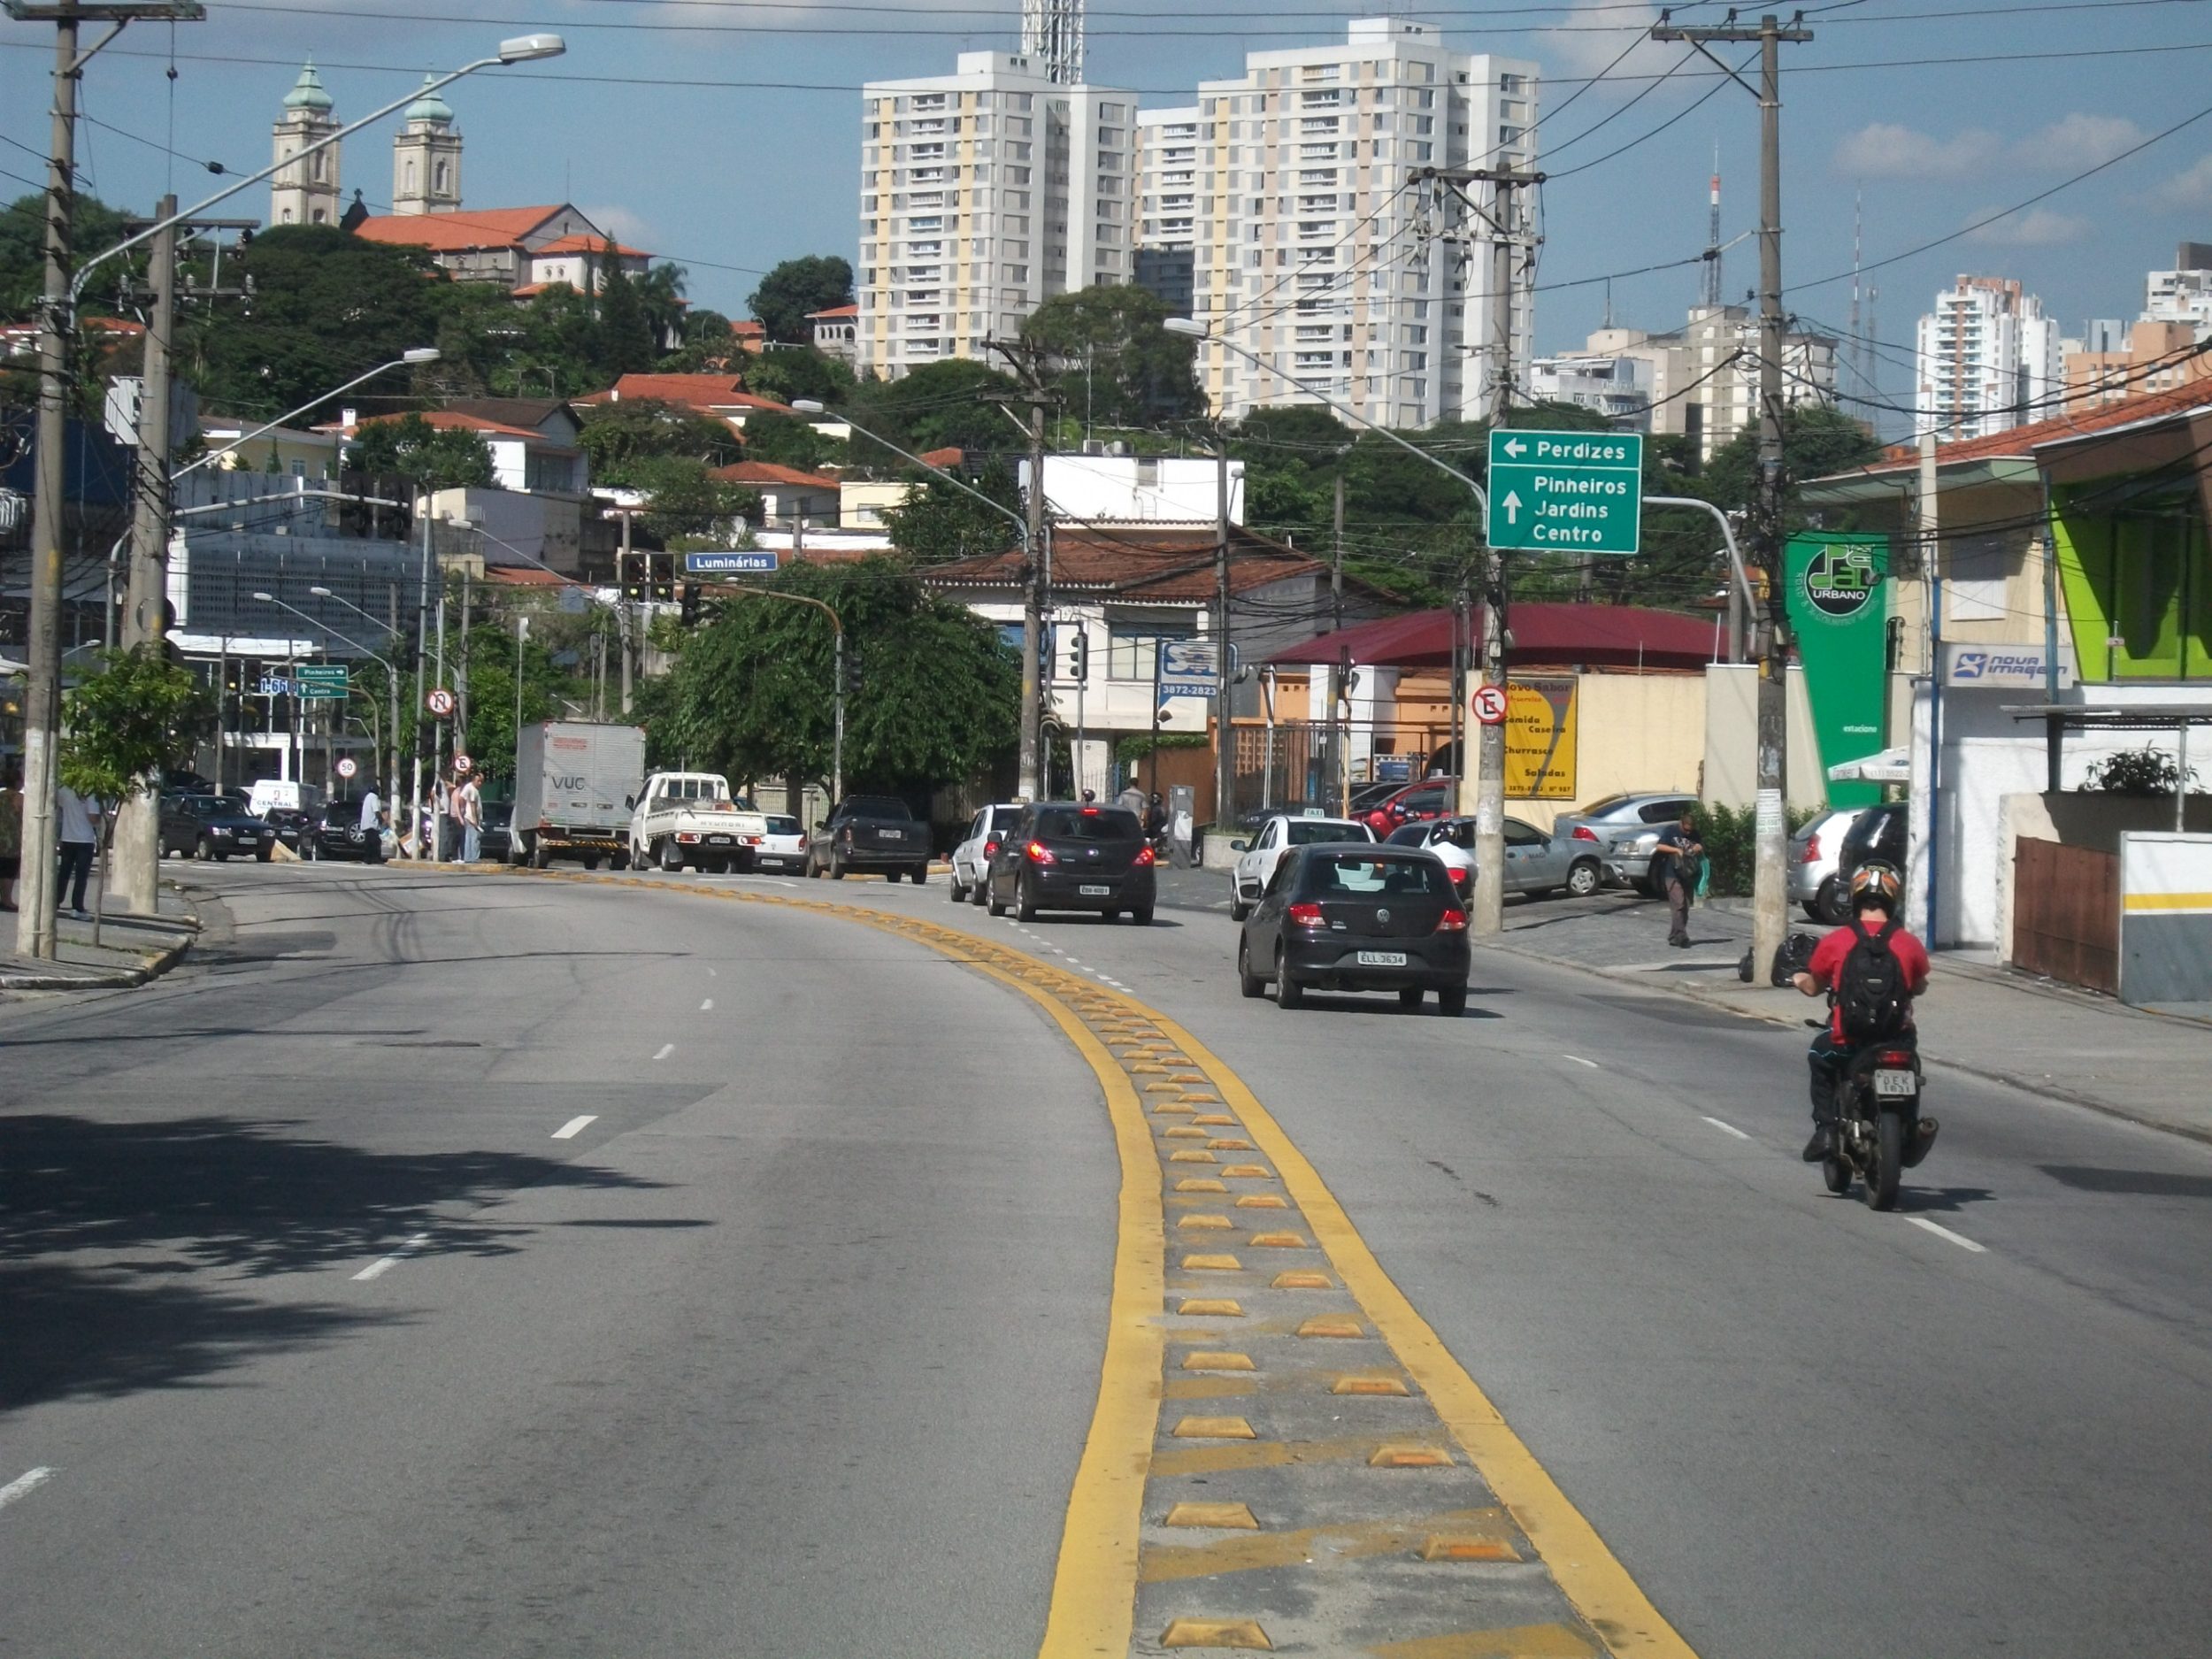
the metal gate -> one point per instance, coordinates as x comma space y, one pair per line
2066, 913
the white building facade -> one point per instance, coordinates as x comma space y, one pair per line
1986, 360
984, 192
2183, 294
1313, 249
304, 190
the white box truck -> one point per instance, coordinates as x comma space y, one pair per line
573, 781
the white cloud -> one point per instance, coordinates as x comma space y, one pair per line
1886, 150
2191, 187
621, 224
2038, 227
2077, 140
1594, 34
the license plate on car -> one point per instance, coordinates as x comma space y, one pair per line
893, 835
1890, 1082
1382, 958
718, 841
1095, 892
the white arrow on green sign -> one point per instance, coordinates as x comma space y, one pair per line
1566, 492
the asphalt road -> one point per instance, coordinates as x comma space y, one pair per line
791, 1349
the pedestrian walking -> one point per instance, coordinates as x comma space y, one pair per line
77, 818
1131, 799
372, 825
10, 840
445, 836
468, 801
1678, 859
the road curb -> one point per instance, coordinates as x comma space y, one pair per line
152, 964
2040, 1088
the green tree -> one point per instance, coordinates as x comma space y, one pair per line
325, 306
434, 457
1816, 441
937, 523
624, 342
800, 372
796, 289
749, 694
787, 440
950, 404
138, 715
618, 436
682, 498
1116, 364
94, 228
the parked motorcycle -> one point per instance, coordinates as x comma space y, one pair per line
1880, 1132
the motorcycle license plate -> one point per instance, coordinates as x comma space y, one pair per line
1094, 892
1382, 958
1890, 1083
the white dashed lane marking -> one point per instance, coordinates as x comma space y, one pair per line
666, 1049
1727, 1129
24, 1485
707, 1007
575, 1126
385, 1264
1578, 1060
1945, 1232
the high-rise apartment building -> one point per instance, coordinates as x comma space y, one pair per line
2183, 294
1986, 360
1313, 247
983, 193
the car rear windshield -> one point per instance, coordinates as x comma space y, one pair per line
1353, 875
1408, 835
1094, 824
1003, 818
779, 825
1304, 832
877, 806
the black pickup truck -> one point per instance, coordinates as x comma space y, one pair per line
869, 831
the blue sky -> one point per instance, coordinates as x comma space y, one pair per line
758, 163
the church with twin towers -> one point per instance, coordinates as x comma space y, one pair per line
426, 157
1285, 208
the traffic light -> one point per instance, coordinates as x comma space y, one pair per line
1079, 657
691, 604
855, 682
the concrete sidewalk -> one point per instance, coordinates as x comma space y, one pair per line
132, 950
2032, 1033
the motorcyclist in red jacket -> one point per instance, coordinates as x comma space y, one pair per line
1876, 890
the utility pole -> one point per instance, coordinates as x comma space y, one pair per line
1224, 732
1503, 217
41, 702
1770, 895
136, 856
622, 601
1333, 778
1027, 363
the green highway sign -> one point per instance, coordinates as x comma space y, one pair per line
1566, 492
326, 680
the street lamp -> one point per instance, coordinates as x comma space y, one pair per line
1033, 680
407, 359
299, 703
391, 685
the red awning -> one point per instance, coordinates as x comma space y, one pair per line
1603, 636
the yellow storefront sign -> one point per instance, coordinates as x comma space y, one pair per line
1539, 741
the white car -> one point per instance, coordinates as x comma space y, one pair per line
1257, 859
972, 858
1451, 840
783, 847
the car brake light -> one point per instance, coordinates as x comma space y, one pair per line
1812, 850
1583, 833
1304, 916
1462, 876
1040, 854
990, 849
1090, 811
1892, 1056
1144, 857
1453, 921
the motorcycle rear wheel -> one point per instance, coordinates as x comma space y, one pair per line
1886, 1162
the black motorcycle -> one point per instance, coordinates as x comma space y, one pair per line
1880, 1132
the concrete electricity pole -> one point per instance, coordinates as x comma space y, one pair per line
1769, 894
1224, 730
136, 856
1027, 365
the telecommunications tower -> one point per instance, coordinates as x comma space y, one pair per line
1052, 33
1712, 238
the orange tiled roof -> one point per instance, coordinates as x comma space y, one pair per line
579, 243
944, 460
455, 233
2020, 442
770, 472
834, 311
708, 393
1137, 563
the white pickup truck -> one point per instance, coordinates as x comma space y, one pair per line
691, 818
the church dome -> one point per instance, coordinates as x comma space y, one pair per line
429, 106
307, 92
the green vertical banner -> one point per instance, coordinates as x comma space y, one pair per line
1837, 587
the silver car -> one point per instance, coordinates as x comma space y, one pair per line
1620, 829
971, 857
1814, 865
1535, 863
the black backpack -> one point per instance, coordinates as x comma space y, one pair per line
1872, 996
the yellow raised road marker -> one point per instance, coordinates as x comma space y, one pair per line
1216, 1633
1185, 1132
1218, 1515
1212, 1264
1248, 1172
1393, 1386
1215, 1360
1411, 1457
1226, 1143
1300, 1279
1210, 1307
1332, 1324
1206, 1224
1213, 1429
1262, 1201
1195, 1155
1202, 1184
1278, 1241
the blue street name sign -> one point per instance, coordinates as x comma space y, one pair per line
730, 563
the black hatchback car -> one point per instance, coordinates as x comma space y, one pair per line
1343, 915
1063, 856
211, 826
336, 832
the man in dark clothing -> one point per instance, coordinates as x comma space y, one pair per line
1677, 858
1876, 892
